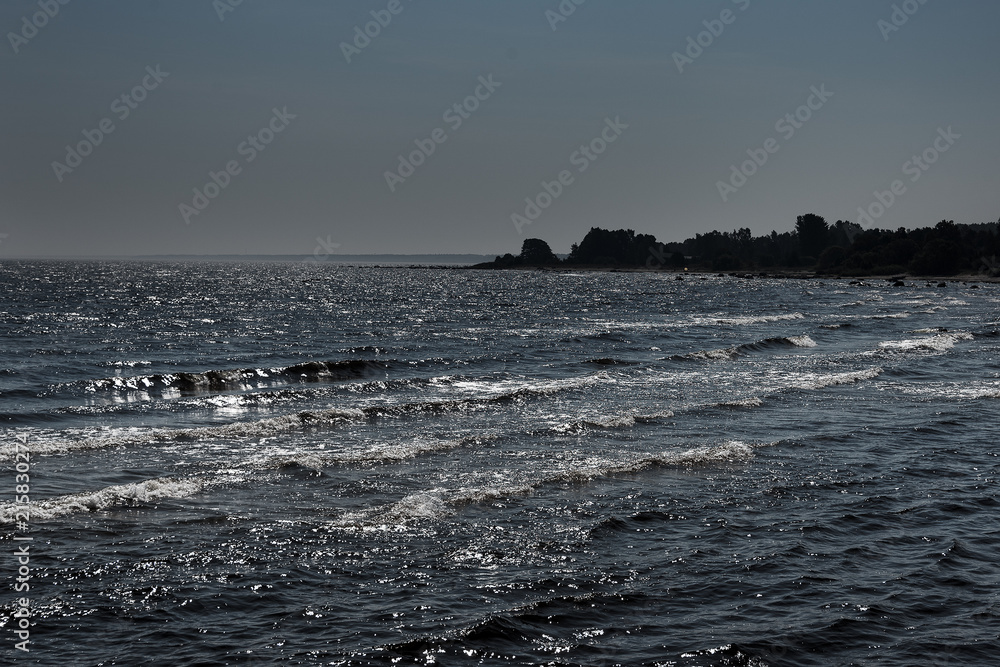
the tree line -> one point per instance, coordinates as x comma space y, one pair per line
843, 247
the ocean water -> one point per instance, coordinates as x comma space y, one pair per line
330, 465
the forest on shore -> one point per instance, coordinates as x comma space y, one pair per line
842, 248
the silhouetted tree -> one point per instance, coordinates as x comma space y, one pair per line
813, 233
536, 252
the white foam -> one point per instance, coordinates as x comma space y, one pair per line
404, 451
746, 320
610, 421
92, 501
438, 502
801, 341
820, 381
939, 343
424, 505
950, 390
713, 355
663, 414
752, 402
259, 428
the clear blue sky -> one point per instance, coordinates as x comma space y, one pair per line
324, 173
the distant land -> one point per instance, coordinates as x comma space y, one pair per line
842, 249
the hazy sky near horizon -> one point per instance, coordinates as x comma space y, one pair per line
212, 75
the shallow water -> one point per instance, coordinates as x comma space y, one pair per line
288, 464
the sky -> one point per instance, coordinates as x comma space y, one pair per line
147, 127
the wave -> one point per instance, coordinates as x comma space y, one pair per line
259, 428
479, 637
438, 503
378, 454
230, 379
721, 354
950, 391
332, 417
727, 353
128, 495
138, 493
821, 381
939, 343
609, 422
611, 362
752, 402
745, 320
219, 402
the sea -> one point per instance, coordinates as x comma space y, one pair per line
309, 463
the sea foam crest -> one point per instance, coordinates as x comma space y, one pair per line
939, 343
111, 496
313, 418
610, 422
801, 341
723, 354
746, 320
851, 377
258, 428
438, 503
388, 453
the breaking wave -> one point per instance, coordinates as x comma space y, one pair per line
332, 417
819, 381
231, 379
438, 503
724, 354
745, 320
609, 422
939, 343
123, 495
